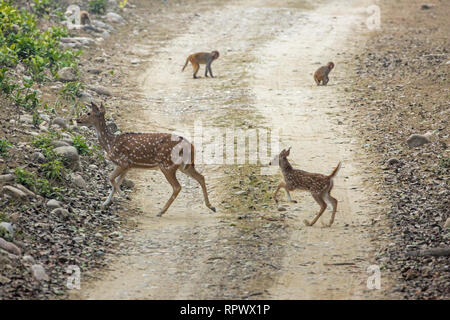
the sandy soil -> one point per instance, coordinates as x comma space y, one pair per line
269, 50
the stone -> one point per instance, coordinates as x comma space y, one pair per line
61, 212
281, 209
127, 183
447, 224
10, 247
417, 140
60, 122
14, 193
100, 90
5, 178
78, 181
39, 272
38, 157
28, 259
114, 18
60, 143
8, 228
30, 194
67, 74
53, 204
393, 161
70, 154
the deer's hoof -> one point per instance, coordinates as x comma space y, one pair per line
294, 201
160, 214
307, 223
105, 204
213, 209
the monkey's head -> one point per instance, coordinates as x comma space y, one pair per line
215, 54
330, 65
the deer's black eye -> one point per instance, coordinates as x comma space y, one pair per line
89, 113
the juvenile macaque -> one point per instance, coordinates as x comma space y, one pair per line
84, 18
321, 75
202, 58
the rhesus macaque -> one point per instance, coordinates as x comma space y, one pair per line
202, 58
84, 18
321, 75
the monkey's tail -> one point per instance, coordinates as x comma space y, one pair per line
335, 171
187, 61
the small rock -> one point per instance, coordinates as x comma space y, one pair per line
67, 74
426, 6
417, 140
281, 209
447, 224
60, 143
5, 178
39, 272
100, 90
393, 161
70, 154
30, 194
61, 212
38, 157
4, 280
53, 204
10, 247
114, 18
28, 259
127, 183
78, 181
60, 122
8, 227
14, 193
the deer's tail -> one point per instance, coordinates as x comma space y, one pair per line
335, 171
187, 61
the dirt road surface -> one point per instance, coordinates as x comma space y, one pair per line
269, 50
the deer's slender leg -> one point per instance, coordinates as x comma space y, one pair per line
190, 171
119, 181
289, 196
196, 67
333, 203
323, 206
170, 174
112, 179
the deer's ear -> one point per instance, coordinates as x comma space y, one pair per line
102, 108
95, 108
288, 151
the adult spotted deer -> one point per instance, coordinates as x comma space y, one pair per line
162, 151
317, 184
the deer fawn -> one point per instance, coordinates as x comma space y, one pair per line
144, 151
318, 184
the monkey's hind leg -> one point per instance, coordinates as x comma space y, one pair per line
196, 68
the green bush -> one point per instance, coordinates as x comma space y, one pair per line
32, 182
53, 169
97, 6
81, 145
21, 40
72, 90
4, 145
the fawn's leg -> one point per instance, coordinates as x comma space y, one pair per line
170, 174
323, 206
119, 180
282, 184
190, 171
333, 203
112, 179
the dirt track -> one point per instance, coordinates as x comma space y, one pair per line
269, 50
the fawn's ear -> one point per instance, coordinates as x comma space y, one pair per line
102, 108
95, 108
288, 151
